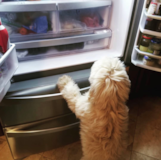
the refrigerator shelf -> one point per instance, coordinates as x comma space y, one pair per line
149, 32
140, 63
152, 16
146, 53
66, 40
28, 6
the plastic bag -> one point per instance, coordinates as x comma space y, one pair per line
40, 25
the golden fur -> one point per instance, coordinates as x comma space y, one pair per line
102, 110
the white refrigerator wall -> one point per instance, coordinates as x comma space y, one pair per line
120, 18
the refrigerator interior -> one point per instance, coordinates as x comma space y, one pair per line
137, 55
77, 32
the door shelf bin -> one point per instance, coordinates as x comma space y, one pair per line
144, 17
83, 16
42, 135
8, 65
137, 59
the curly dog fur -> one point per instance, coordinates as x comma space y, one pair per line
102, 110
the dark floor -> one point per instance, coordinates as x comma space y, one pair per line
144, 135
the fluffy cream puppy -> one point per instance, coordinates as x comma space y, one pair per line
102, 110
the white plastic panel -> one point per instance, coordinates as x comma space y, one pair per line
60, 50
146, 31
83, 4
8, 65
151, 16
24, 6
119, 22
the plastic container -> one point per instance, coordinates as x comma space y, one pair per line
83, 19
148, 61
24, 26
144, 44
8, 65
152, 7
155, 46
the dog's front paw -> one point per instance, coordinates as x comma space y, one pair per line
63, 81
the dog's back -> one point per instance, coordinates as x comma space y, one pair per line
103, 132
102, 110
104, 127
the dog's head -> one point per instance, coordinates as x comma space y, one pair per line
109, 79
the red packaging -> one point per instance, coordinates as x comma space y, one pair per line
3, 38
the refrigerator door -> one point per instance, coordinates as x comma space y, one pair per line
8, 66
43, 135
152, 59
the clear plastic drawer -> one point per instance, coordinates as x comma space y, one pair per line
74, 48
23, 26
82, 16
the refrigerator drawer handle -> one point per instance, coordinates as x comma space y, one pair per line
83, 5
66, 40
45, 97
14, 132
28, 6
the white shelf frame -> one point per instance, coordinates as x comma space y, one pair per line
151, 16
146, 53
136, 51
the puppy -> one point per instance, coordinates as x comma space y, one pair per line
102, 110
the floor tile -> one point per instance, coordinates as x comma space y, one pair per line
2, 143
138, 156
56, 154
147, 141
131, 133
133, 105
75, 151
5, 153
3, 138
33, 157
127, 155
44, 158
149, 113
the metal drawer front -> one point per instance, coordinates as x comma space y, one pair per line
20, 110
41, 136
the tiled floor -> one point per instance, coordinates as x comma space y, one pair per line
144, 135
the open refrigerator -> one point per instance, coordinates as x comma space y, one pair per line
50, 39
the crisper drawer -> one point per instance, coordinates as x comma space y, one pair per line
83, 15
44, 135
29, 20
8, 65
37, 99
61, 46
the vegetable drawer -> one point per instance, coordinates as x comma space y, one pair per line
82, 16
